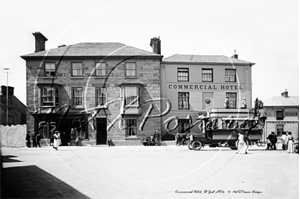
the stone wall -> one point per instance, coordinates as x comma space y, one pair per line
13, 136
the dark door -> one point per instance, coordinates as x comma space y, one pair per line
101, 131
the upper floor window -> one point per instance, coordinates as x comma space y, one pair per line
49, 96
183, 100
77, 95
207, 75
130, 69
279, 114
76, 69
230, 75
100, 70
183, 74
101, 96
131, 96
49, 69
232, 99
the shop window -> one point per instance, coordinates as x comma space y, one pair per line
183, 100
130, 69
279, 129
77, 70
230, 75
232, 99
49, 69
207, 75
131, 127
77, 94
49, 96
279, 114
183, 74
101, 96
100, 70
131, 96
183, 126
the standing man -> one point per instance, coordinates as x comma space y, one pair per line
226, 103
28, 143
38, 138
244, 103
284, 141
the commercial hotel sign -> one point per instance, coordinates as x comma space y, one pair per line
206, 87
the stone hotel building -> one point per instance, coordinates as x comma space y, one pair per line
103, 90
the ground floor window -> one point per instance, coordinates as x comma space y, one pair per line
279, 129
183, 126
232, 99
131, 127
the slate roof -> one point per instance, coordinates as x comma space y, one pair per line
282, 101
207, 59
92, 50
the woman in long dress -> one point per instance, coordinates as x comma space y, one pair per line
56, 140
290, 143
241, 144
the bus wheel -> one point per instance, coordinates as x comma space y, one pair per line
197, 145
190, 145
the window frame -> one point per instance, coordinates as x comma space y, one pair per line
75, 97
127, 128
229, 77
184, 124
127, 70
279, 117
182, 102
46, 71
73, 70
55, 96
232, 103
102, 97
204, 76
181, 77
97, 69
137, 103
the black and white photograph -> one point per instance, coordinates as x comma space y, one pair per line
149, 99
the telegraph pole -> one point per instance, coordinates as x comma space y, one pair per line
6, 70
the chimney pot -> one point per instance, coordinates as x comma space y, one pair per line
155, 43
236, 56
285, 94
40, 41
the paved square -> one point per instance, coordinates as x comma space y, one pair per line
148, 172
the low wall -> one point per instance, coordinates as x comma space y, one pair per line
13, 136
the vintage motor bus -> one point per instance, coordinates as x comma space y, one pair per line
220, 127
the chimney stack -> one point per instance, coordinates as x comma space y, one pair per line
236, 56
155, 44
285, 94
40, 41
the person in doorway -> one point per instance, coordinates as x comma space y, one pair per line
244, 103
241, 144
38, 138
290, 143
28, 143
56, 140
284, 141
52, 138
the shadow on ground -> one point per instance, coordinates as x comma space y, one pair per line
33, 182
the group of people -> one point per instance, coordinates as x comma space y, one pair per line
287, 141
35, 137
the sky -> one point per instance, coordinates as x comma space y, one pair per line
261, 31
